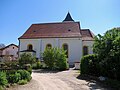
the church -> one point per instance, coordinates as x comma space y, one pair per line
66, 34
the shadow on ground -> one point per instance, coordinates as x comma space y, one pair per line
45, 71
93, 82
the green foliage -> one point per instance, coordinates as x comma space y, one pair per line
48, 57
89, 65
26, 58
22, 82
61, 60
28, 67
107, 44
13, 78
10, 65
1, 87
25, 75
55, 58
107, 48
3, 80
36, 65
11, 73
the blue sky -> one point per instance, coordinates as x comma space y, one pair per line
17, 15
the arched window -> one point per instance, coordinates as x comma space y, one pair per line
65, 47
30, 47
48, 46
85, 50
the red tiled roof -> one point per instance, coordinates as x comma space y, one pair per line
57, 30
87, 34
52, 30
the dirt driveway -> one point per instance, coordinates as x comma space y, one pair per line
65, 80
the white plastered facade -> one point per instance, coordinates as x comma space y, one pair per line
75, 46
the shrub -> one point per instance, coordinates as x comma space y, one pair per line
3, 80
28, 67
90, 65
61, 62
1, 87
13, 78
25, 75
55, 58
48, 57
36, 65
26, 59
11, 64
22, 82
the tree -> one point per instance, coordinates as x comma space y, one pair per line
106, 44
55, 58
107, 47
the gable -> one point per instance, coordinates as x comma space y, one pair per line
9, 46
87, 35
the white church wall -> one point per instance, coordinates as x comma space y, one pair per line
75, 49
46, 41
75, 46
35, 43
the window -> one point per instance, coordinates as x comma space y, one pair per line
30, 47
48, 46
13, 47
85, 50
65, 47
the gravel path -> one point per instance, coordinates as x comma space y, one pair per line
65, 80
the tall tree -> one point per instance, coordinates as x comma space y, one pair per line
107, 47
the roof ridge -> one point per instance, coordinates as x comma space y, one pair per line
85, 29
54, 23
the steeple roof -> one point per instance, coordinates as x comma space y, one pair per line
68, 18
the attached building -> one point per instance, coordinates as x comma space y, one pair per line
9, 52
67, 34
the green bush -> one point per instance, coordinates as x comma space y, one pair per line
26, 59
55, 58
28, 67
36, 65
3, 80
22, 82
25, 75
1, 87
11, 64
90, 65
61, 60
84, 64
14, 77
48, 57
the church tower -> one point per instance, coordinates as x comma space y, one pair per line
68, 18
